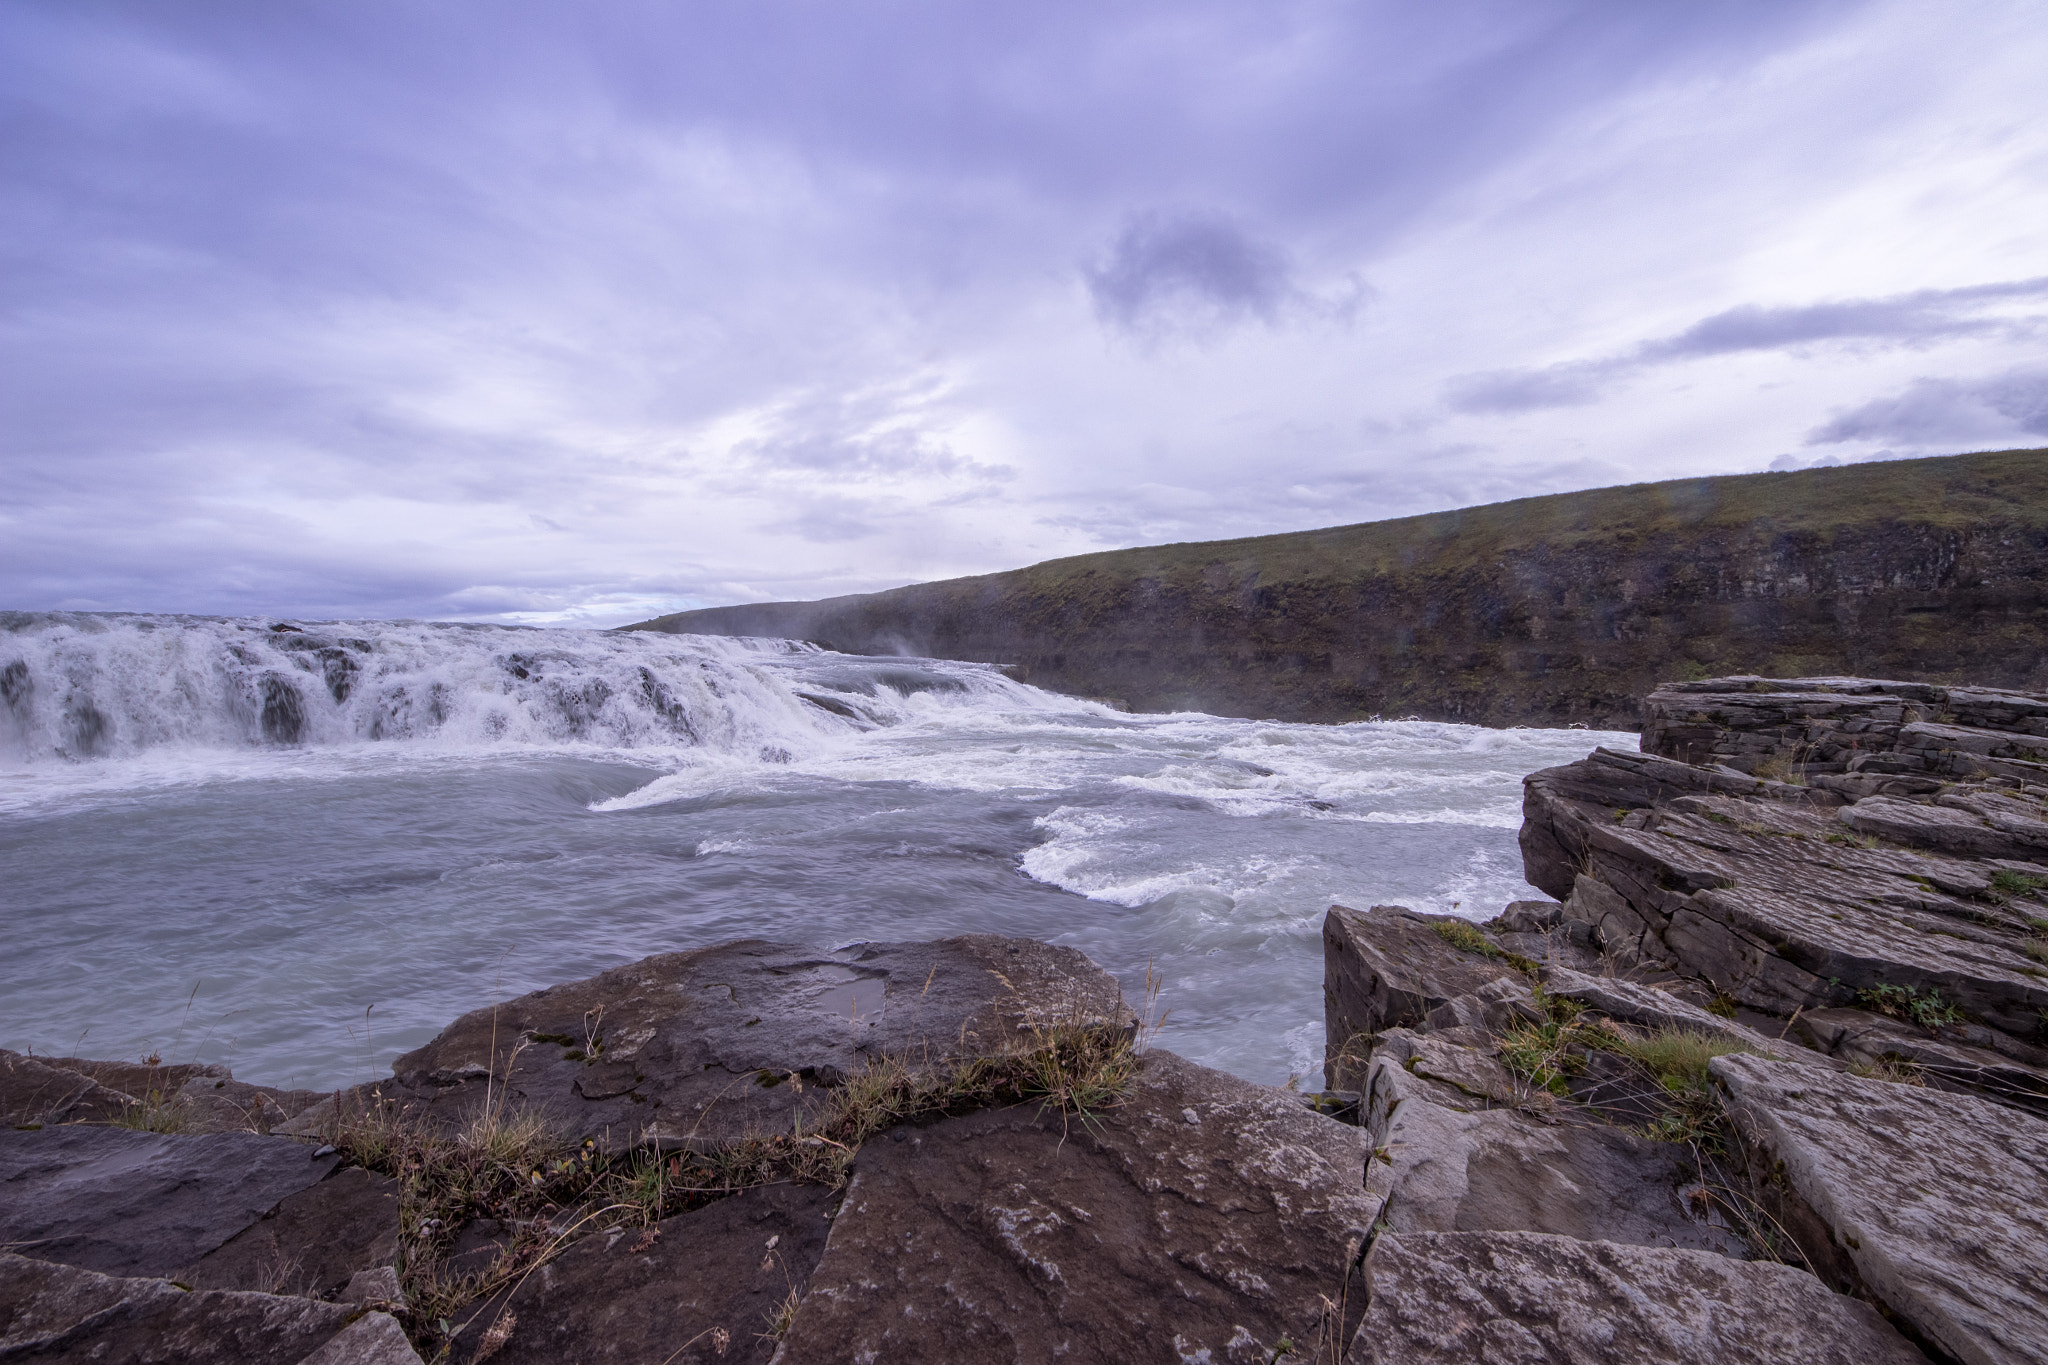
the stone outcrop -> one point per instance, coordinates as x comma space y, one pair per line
1452, 1298
1935, 1205
1812, 912
667, 1292
1204, 1218
690, 1051
1176, 1212
1860, 859
124, 1202
181, 1098
55, 1312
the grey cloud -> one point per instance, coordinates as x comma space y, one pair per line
1509, 391
1922, 318
1935, 412
1189, 269
1196, 273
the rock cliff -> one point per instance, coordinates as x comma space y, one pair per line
1541, 611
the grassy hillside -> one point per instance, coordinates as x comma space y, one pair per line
1539, 610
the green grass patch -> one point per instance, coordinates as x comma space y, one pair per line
1925, 1008
1468, 938
2006, 883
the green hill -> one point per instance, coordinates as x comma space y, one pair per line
1537, 611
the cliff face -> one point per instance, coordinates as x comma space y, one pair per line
1539, 611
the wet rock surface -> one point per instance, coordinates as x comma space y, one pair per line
132, 1203
1203, 1218
693, 1050
46, 1091
713, 1284
313, 1242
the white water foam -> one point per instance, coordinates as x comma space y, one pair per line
373, 811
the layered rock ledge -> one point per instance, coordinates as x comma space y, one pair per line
1766, 1081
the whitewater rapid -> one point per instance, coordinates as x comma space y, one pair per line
302, 847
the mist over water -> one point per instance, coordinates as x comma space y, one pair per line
330, 839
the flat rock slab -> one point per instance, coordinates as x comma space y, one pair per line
52, 1312
694, 1050
1449, 1163
1205, 1218
132, 1203
1940, 1201
1647, 1007
631, 1298
1463, 1298
313, 1242
36, 1092
1384, 968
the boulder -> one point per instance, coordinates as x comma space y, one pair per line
132, 1203
1390, 967
1454, 1298
697, 1049
1202, 1218
313, 1242
222, 1104
35, 1092
1929, 1202
667, 1292
59, 1312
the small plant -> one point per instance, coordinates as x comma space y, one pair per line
1893, 1068
1723, 1004
2006, 883
1925, 1008
1467, 938
1550, 1053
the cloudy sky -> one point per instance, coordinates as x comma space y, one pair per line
578, 312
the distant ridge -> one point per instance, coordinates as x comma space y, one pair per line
1538, 611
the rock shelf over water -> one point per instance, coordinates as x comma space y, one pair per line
1765, 1083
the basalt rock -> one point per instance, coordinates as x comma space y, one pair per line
1784, 907
314, 1242
697, 1049
40, 1091
1452, 1170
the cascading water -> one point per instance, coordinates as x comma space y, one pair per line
302, 847
77, 686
